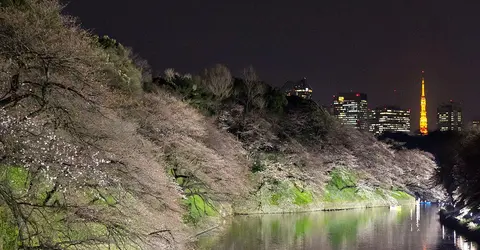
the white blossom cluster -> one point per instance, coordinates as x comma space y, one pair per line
29, 143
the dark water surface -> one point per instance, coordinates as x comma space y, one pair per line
410, 227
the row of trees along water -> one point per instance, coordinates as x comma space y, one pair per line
457, 155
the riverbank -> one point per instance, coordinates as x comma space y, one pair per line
448, 219
344, 190
326, 207
289, 199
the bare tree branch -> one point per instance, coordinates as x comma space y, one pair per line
218, 80
254, 90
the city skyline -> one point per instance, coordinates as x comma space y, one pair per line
338, 46
429, 123
303, 89
352, 108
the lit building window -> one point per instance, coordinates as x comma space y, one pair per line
449, 117
389, 119
352, 109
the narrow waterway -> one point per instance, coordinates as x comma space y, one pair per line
409, 227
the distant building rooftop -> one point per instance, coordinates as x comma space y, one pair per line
299, 88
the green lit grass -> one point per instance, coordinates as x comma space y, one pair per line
342, 179
400, 195
8, 230
198, 207
197, 202
343, 187
15, 177
285, 192
302, 197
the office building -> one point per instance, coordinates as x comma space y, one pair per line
449, 117
351, 109
389, 119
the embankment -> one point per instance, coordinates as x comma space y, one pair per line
449, 220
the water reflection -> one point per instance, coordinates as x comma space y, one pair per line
377, 228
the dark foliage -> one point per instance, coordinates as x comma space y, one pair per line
189, 90
275, 100
457, 156
305, 120
6, 3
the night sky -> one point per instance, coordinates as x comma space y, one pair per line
368, 46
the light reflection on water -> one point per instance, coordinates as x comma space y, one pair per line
414, 227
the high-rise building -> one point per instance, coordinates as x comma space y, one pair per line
449, 117
299, 88
423, 109
351, 109
389, 119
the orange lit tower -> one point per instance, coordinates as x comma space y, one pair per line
423, 109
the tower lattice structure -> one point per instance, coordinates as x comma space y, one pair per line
423, 109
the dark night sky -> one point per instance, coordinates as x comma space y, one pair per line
368, 46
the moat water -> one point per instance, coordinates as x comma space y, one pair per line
407, 227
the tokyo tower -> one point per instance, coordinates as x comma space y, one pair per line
423, 109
